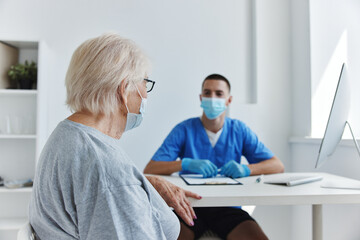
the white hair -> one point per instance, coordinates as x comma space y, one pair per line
97, 68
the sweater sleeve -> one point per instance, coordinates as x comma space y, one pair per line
123, 212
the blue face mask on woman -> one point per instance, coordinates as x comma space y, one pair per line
213, 107
133, 120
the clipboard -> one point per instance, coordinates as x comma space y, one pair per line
197, 179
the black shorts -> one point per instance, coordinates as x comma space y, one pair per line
220, 220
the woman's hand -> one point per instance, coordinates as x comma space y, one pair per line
175, 197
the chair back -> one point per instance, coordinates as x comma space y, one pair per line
26, 232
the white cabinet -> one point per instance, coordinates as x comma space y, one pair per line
19, 137
17, 133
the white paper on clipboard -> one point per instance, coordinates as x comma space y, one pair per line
197, 179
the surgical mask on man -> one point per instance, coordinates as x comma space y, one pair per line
213, 107
133, 120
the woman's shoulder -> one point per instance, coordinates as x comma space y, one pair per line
73, 147
88, 145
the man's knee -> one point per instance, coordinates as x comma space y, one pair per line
247, 230
185, 233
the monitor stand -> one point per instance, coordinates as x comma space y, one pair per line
346, 183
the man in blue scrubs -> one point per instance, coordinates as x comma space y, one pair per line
210, 143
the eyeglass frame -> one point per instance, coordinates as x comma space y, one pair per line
152, 86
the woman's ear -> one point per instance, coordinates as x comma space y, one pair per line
121, 91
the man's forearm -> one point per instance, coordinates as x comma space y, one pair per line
162, 167
272, 165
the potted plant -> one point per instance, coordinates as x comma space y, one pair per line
23, 75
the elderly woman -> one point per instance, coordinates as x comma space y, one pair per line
86, 187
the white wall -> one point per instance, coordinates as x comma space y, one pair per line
301, 70
327, 21
335, 37
186, 40
271, 116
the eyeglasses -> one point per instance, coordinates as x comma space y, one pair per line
149, 84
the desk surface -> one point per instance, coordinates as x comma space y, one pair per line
252, 193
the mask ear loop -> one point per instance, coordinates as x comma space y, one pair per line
138, 91
127, 108
143, 102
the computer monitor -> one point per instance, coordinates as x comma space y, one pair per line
337, 121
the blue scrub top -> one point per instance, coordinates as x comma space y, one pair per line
189, 140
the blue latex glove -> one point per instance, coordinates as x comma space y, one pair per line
235, 170
202, 166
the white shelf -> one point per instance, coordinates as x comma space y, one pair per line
18, 92
12, 223
19, 113
22, 44
15, 136
16, 190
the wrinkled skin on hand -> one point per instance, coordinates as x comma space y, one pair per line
175, 197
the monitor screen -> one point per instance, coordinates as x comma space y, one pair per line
337, 119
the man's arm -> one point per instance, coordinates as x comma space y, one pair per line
162, 167
272, 165
200, 166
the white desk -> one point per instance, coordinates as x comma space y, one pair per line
251, 193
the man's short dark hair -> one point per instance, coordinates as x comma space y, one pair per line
216, 76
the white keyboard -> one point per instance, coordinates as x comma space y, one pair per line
290, 180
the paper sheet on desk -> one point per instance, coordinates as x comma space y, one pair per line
197, 179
